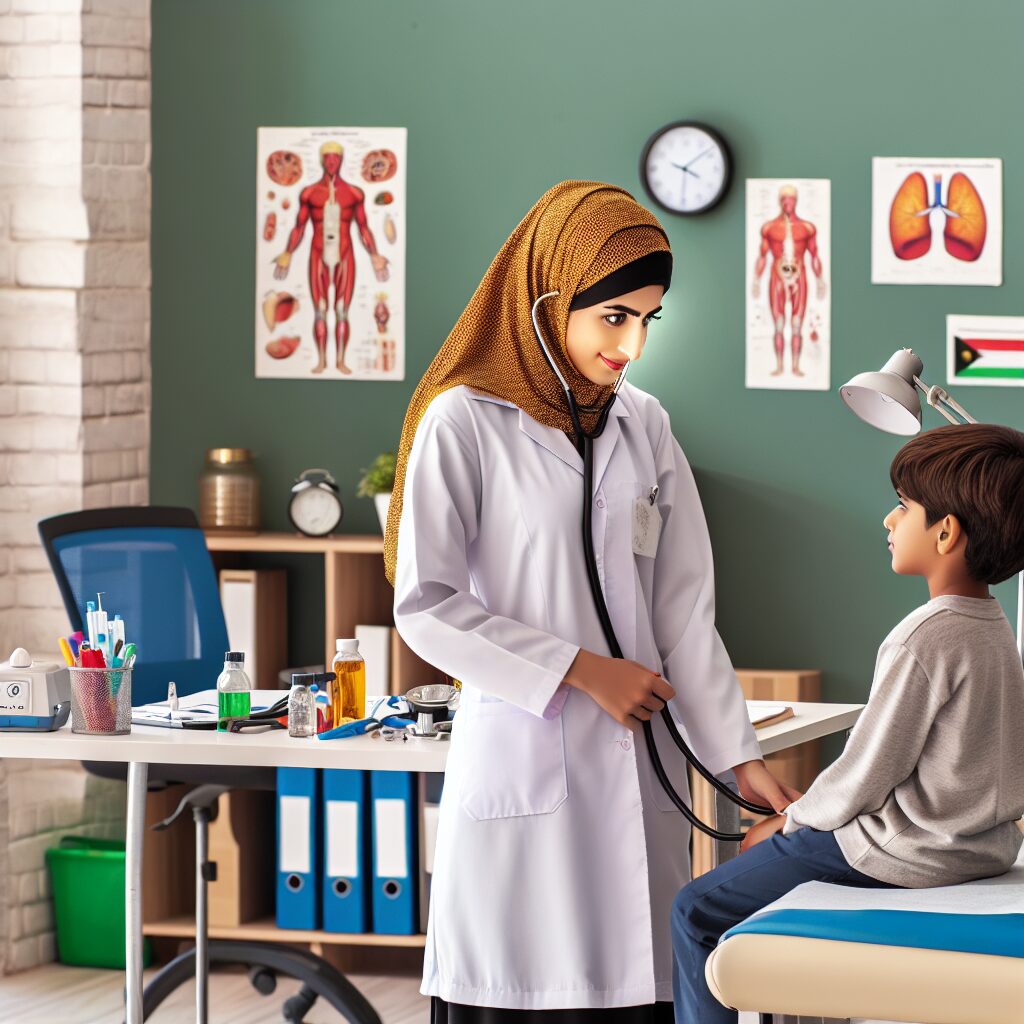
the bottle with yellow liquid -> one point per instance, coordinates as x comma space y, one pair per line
348, 696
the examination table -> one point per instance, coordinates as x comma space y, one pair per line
949, 955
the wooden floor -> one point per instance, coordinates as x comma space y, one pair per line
56, 994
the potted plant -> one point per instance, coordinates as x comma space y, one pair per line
377, 483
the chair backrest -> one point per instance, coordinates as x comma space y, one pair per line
153, 568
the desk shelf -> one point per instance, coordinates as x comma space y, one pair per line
241, 898
265, 930
345, 544
356, 591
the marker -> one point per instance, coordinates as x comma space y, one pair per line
74, 644
90, 621
117, 629
65, 649
102, 625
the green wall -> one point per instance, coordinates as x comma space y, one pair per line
503, 100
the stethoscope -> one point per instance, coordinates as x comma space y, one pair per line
585, 446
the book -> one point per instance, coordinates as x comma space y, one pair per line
762, 715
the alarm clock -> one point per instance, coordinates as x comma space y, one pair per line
315, 507
686, 168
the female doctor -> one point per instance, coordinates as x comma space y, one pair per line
558, 854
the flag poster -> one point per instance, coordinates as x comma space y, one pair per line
985, 350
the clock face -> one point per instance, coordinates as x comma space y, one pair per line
686, 168
315, 511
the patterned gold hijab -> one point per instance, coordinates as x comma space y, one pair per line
578, 233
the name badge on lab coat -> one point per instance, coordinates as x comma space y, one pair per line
646, 526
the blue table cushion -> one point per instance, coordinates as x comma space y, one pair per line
991, 934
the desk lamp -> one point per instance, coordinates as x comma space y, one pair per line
888, 399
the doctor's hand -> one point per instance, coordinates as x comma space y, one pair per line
628, 691
759, 786
762, 830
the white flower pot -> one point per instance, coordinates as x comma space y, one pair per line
383, 502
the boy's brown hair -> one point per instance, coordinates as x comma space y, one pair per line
976, 473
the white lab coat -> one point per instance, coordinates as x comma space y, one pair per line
558, 854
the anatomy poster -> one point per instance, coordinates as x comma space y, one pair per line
789, 233
985, 350
330, 253
936, 221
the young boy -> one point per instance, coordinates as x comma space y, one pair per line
931, 783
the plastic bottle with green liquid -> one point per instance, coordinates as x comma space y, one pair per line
233, 690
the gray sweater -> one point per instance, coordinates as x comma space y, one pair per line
931, 783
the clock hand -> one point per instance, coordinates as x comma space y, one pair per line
698, 157
686, 170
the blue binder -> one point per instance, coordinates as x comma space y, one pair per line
298, 848
395, 906
346, 889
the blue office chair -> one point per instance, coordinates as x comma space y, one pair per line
153, 568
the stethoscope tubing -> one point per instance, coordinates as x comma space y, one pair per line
585, 444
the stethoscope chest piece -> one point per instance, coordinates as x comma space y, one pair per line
432, 704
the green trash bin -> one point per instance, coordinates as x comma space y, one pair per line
87, 879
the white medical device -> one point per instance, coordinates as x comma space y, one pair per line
34, 695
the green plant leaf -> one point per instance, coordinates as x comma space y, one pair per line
379, 478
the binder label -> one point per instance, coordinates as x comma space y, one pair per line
342, 839
392, 854
294, 853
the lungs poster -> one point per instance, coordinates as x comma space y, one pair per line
330, 253
936, 221
788, 255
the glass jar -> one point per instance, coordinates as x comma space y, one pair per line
229, 491
301, 705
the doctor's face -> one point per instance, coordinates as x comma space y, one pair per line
601, 339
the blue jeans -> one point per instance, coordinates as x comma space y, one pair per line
710, 905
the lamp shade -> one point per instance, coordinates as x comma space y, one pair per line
887, 398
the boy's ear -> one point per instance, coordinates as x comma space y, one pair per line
949, 535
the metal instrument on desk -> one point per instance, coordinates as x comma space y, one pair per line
433, 706
34, 695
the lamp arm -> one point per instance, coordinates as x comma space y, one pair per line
939, 398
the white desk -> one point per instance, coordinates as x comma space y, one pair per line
809, 722
153, 745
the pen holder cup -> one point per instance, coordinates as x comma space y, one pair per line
101, 701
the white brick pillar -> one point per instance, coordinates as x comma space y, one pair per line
74, 366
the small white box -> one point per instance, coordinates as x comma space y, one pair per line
375, 647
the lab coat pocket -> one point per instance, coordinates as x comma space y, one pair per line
514, 762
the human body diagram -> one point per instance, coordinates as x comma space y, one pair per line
332, 205
789, 240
